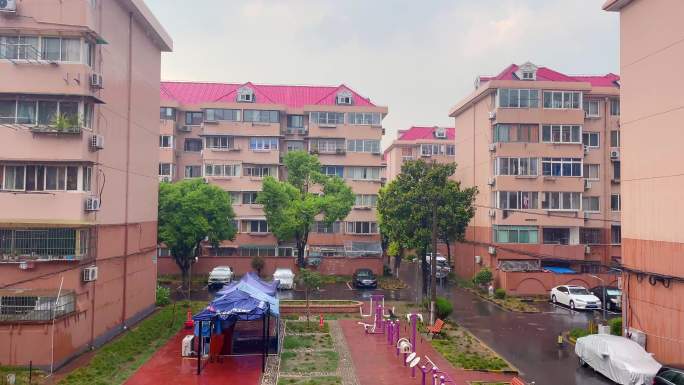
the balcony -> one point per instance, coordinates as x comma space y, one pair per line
233, 128
40, 207
19, 245
51, 79
35, 305
345, 131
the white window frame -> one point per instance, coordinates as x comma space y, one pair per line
353, 227
592, 197
518, 92
566, 97
589, 135
368, 173
588, 104
520, 197
166, 138
212, 141
619, 202
545, 198
516, 163
588, 167
219, 170
366, 200
364, 118
562, 129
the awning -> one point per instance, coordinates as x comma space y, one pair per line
559, 270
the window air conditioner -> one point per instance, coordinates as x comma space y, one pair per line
492, 213
8, 6
587, 249
478, 259
492, 115
90, 274
492, 147
587, 184
491, 250
96, 142
95, 81
92, 203
491, 181
614, 154
586, 148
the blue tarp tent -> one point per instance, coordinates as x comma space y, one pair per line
236, 305
255, 287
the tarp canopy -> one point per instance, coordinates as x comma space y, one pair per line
232, 307
254, 286
559, 270
270, 288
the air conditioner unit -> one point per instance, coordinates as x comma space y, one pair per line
95, 81
492, 147
8, 6
92, 203
587, 250
587, 184
614, 154
492, 213
96, 142
90, 274
586, 148
165, 178
478, 259
492, 115
491, 250
491, 181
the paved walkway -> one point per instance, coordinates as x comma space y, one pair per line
376, 362
346, 365
168, 367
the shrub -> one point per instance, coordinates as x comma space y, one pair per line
616, 326
483, 277
500, 293
258, 264
443, 308
163, 296
579, 332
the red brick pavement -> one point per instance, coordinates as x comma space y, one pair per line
376, 363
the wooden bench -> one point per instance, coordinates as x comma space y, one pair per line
517, 381
436, 328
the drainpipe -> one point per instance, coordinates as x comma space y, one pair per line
128, 161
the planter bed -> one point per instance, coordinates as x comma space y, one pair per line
320, 307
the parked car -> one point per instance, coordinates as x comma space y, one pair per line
443, 268
669, 376
285, 278
613, 297
364, 278
220, 276
618, 358
576, 297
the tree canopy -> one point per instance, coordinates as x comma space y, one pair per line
191, 211
291, 206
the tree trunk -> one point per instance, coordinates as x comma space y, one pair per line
448, 245
308, 309
397, 264
300, 256
424, 268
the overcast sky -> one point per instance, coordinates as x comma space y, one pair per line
416, 57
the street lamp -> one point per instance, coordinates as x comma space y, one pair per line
603, 291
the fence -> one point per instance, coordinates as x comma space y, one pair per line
29, 305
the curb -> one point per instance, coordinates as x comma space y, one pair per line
474, 292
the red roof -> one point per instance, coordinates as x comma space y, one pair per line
547, 74
415, 133
291, 96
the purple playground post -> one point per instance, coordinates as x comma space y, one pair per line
379, 325
414, 325
423, 371
441, 380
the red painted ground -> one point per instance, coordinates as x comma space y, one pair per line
376, 362
168, 367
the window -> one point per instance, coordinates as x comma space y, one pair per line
361, 145
165, 169
615, 107
615, 138
515, 133
254, 226
450, 150
432, 149
245, 94
615, 234
326, 118
44, 112
591, 108
562, 166
294, 145
363, 173
263, 144
326, 146
165, 141
193, 118
591, 139
14, 177
249, 197
556, 236
216, 114
591, 171
615, 204
333, 170
222, 170
19, 47
262, 116
517, 200
71, 50
50, 48
192, 145
88, 113
257, 251
371, 118
295, 121
368, 200
321, 227
516, 166
616, 170
590, 236
89, 53
517, 98
591, 204
344, 97
562, 99
515, 234
193, 171
362, 228
561, 134
220, 142
527, 75
561, 201
87, 178
260, 171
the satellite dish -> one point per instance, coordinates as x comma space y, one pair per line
410, 357
414, 362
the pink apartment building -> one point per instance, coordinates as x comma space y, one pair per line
651, 53
79, 89
542, 147
427, 143
233, 135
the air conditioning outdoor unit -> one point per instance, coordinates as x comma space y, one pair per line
90, 274
587, 184
614, 154
478, 259
492, 147
586, 148
492, 213
8, 6
95, 81
96, 142
587, 250
165, 178
491, 250
492, 115
491, 181
92, 203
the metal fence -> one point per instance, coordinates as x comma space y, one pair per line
49, 244
25, 305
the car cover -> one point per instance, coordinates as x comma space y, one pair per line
618, 358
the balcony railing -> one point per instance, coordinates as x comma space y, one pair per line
48, 244
35, 305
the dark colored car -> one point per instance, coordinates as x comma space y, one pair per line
613, 297
364, 278
669, 376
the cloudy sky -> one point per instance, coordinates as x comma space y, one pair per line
416, 57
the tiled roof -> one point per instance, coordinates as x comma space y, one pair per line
547, 74
415, 133
291, 96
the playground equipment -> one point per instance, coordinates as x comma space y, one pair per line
379, 323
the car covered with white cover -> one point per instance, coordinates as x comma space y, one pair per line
618, 358
285, 277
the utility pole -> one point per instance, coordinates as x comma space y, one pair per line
433, 257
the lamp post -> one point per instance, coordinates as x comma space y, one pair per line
603, 291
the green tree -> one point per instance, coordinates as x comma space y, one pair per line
190, 212
291, 206
310, 281
454, 213
258, 264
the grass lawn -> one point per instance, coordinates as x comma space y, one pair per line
315, 302
310, 381
116, 361
328, 279
464, 351
306, 362
315, 341
391, 283
22, 375
302, 327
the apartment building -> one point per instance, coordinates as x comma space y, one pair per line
427, 143
653, 243
233, 135
79, 87
542, 147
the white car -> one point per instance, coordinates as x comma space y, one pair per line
285, 277
575, 297
443, 268
220, 276
618, 358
